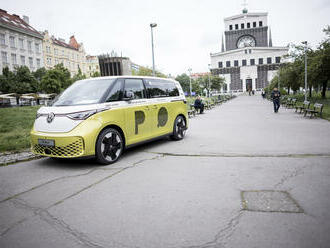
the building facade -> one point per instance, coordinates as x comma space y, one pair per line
248, 60
116, 66
20, 44
92, 65
56, 51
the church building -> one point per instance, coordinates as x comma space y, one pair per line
248, 60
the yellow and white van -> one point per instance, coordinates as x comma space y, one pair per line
102, 116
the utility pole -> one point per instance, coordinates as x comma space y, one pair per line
153, 25
190, 79
305, 49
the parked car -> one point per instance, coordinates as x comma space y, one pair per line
103, 116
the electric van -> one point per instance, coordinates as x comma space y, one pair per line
103, 116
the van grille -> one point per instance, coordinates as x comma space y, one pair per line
74, 149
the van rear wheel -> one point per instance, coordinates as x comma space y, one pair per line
109, 146
179, 129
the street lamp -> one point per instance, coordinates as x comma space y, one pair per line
208, 92
153, 25
305, 50
190, 79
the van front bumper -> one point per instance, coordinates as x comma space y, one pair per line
79, 142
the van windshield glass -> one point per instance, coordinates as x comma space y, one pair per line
84, 92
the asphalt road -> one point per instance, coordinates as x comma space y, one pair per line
243, 177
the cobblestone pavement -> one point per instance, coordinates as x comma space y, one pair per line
242, 177
14, 157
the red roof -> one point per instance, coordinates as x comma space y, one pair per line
16, 22
63, 44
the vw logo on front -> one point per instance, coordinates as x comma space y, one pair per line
50, 117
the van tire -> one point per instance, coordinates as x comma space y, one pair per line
109, 146
179, 129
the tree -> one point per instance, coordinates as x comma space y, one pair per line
96, 74
184, 81
38, 75
24, 81
78, 76
146, 71
6, 80
56, 79
217, 82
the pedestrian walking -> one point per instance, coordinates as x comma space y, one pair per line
276, 99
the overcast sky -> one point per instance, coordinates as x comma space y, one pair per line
187, 32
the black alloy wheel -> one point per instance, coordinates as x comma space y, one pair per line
179, 129
109, 146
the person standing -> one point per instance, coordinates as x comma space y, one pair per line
276, 99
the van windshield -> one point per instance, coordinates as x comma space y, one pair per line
84, 92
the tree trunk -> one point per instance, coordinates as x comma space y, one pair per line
324, 89
310, 91
288, 90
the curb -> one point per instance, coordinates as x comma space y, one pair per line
7, 158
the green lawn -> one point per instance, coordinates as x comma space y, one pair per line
15, 127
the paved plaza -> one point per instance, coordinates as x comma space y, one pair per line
242, 177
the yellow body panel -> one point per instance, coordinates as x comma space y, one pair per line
138, 123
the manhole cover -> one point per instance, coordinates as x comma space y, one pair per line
269, 201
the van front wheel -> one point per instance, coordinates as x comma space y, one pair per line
109, 146
179, 129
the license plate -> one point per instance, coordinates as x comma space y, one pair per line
46, 142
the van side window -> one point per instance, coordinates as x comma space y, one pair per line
161, 88
135, 86
115, 93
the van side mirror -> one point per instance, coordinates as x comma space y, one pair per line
129, 95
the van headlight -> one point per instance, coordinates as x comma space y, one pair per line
81, 115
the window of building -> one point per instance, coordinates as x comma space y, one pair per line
2, 39
245, 51
248, 25
242, 25
250, 51
49, 61
260, 24
254, 24
22, 60
38, 63
21, 43
236, 26
277, 60
29, 44
4, 57
230, 27
12, 41
261, 61
72, 55
269, 60
227, 63
63, 52
252, 62
235, 62
47, 49
220, 64
244, 62
13, 59
135, 86
56, 61
37, 46
31, 62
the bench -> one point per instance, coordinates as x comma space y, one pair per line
292, 103
317, 109
302, 107
191, 111
286, 102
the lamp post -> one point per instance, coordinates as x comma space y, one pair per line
190, 79
208, 86
153, 25
305, 50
